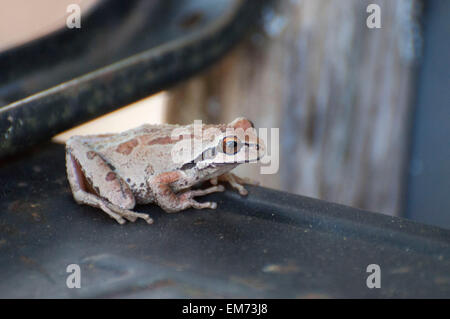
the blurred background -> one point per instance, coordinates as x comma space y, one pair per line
363, 113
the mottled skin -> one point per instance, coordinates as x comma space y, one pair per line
158, 164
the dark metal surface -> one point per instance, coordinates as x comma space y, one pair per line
271, 244
428, 199
125, 51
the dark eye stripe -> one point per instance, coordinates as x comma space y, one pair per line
209, 153
188, 166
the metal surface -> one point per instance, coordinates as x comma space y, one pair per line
270, 244
125, 51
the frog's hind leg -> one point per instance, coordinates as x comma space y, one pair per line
84, 194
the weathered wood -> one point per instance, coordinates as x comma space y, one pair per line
339, 92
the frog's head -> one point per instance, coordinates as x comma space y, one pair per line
219, 146
230, 145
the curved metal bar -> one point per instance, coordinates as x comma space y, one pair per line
110, 73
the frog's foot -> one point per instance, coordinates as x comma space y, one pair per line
128, 214
235, 181
119, 213
112, 210
187, 197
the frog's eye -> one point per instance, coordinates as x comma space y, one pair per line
231, 145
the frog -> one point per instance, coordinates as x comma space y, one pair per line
162, 164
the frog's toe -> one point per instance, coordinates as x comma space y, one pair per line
112, 212
237, 182
197, 205
220, 188
147, 218
132, 217
243, 191
129, 215
240, 188
118, 218
121, 221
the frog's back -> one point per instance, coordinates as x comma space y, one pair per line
145, 148
101, 142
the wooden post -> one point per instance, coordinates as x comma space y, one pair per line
339, 92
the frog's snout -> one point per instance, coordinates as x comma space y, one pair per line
260, 148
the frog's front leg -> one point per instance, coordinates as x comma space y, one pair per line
171, 202
95, 184
235, 181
